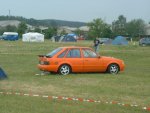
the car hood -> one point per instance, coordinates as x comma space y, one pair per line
110, 58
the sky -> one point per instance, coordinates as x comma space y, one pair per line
77, 10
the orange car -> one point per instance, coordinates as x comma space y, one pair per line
65, 60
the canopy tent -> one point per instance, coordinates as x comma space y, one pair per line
10, 36
2, 74
32, 37
120, 40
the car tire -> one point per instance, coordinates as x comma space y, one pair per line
64, 69
113, 69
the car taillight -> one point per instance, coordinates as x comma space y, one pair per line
44, 62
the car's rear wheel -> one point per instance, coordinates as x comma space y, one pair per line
64, 69
113, 69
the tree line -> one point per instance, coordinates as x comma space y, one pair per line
134, 28
22, 28
97, 27
44, 22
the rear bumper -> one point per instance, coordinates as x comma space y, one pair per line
50, 68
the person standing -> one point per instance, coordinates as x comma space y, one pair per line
96, 45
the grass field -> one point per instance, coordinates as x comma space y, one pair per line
19, 60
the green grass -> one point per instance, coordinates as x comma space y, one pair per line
19, 60
20, 104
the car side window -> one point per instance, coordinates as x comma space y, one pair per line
62, 54
87, 53
74, 53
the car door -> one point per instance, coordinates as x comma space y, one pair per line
91, 62
74, 58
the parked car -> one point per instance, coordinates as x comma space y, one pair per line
144, 41
65, 60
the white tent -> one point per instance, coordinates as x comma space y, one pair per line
32, 37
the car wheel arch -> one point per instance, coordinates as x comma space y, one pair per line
64, 64
112, 64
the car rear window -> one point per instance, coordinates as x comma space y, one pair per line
51, 54
62, 54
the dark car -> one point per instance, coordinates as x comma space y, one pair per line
144, 41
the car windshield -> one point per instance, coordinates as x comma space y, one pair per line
51, 54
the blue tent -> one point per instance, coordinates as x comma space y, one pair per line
73, 35
2, 74
69, 38
120, 40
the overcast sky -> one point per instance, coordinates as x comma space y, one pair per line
77, 10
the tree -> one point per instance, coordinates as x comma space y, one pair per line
2, 30
37, 30
51, 31
22, 27
108, 32
10, 28
119, 26
63, 32
135, 27
79, 32
98, 28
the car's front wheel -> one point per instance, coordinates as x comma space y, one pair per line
64, 69
113, 69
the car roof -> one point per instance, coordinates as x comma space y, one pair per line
75, 47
